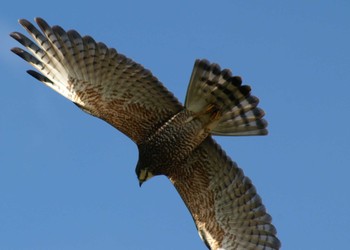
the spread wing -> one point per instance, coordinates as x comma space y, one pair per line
224, 204
98, 79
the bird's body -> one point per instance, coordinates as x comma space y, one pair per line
173, 139
182, 134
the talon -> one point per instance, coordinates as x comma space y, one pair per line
214, 112
210, 109
216, 115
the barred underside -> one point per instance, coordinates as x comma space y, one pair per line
224, 203
98, 79
209, 85
226, 208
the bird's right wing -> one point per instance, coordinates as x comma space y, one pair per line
224, 204
98, 79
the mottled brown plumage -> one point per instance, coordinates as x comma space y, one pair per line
173, 140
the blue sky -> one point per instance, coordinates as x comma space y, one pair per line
67, 180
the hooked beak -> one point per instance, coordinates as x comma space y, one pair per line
144, 176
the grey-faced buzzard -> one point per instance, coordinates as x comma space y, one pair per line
173, 140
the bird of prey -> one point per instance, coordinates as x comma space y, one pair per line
174, 140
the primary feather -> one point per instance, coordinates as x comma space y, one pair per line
173, 140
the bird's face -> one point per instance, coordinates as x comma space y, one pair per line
146, 167
143, 175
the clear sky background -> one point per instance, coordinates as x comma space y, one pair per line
67, 179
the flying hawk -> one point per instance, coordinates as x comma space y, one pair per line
172, 139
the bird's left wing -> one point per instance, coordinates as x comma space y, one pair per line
98, 79
224, 204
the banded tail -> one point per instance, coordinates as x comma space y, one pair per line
210, 86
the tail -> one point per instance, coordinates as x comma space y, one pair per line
210, 86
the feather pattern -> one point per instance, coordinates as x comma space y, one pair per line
209, 85
175, 140
98, 79
237, 219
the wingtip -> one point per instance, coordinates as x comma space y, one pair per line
15, 35
26, 56
18, 51
40, 21
24, 22
19, 37
27, 24
39, 76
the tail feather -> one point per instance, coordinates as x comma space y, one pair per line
209, 85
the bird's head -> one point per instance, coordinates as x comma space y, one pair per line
149, 164
143, 174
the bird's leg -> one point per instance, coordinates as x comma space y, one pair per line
210, 114
214, 116
214, 112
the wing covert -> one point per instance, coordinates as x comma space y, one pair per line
98, 79
224, 204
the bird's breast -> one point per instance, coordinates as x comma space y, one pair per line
173, 142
